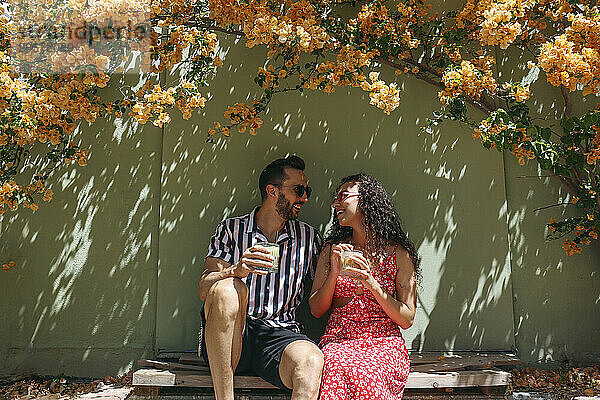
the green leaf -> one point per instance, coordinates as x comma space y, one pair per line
587, 122
545, 133
567, 125
566, 140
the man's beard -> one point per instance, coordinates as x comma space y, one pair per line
285, 208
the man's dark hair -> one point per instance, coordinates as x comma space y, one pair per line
274, 173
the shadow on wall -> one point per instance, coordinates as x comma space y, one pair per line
81, 300
556, 296
107, 272
449, 192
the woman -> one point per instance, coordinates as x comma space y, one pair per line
365, 355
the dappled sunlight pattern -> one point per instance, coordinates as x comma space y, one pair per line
450, 204
466, 297
109, 272
82, 301
555, 296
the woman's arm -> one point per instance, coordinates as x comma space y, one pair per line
401, 309
323, 286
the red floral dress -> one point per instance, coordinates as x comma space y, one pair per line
365, 355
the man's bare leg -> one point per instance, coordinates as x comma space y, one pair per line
300, 369
225, 311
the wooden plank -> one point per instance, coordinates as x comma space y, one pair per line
468, 362
153, 377
192, 358
501, 359
194, 380
424, 380
145, 391
172, 366
416, 380
239, 382
429, 358
505, 359
493, 390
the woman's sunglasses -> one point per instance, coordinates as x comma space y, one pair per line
341, 196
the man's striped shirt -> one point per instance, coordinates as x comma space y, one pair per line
273, 298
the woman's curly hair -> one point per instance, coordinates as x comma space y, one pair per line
380, 219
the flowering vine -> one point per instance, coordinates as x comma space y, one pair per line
48, 87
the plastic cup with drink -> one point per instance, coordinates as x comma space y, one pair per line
273, 249
348, 262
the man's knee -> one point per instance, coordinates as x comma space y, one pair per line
226, 297
304, 362
311, 363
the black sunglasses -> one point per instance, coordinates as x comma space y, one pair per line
299, 189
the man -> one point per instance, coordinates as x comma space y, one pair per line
249, 313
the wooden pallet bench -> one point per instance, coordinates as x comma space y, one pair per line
428, 371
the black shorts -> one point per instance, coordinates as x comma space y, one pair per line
262, 348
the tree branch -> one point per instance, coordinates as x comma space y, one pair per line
205, 23
568, 104
567, 183
423, 66
552, 205
475, 103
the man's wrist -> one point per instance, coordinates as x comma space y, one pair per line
232, 271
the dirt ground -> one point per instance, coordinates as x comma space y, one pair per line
564, 383
51, 388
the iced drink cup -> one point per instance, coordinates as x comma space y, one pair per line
274, 252
347, 262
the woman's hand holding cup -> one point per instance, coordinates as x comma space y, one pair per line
359, 269
336, 257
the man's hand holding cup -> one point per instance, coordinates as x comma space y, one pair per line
260, 259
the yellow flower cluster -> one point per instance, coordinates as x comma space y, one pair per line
522, 154
80, 156
472, 78
10, 85
47, 108
485, 130
556, 9
573, 58
187, 104
584, 234
374, 21
344, 72
501, 24
153, 104
10, 190
66, 95
121, 12
571, 247
170, 51
242, 116
385, 97
9, 265
44, 108
268, 76
297, 29
518, 92
73, 61
496, 22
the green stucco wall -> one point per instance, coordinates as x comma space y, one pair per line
107, 272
